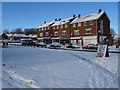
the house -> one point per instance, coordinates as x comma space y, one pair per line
80, 30
3, 36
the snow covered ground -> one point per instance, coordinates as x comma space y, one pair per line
32, 67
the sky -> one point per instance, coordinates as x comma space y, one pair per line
32, 14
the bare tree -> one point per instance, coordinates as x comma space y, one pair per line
6, 31
112, 31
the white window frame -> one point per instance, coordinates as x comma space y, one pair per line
75, 32
46, 33
85, 23
57, 27
79, 24
88, 29
65, 32
74, 25
41, 34
53, 27
48, 28
66, 25
56, 33
61, 26
92, 22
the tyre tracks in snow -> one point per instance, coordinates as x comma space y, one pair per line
107, 73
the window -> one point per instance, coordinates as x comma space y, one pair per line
46, 33
85, 23
65, 25
91, 22
63, 32
74, 25
76, 32
56, 33
45, 28
41, 34
88, 31
57, 27
48, 28
53, 27
61, 26
79, 24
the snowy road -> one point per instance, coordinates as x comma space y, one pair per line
46, 68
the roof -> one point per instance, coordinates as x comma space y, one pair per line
20, 35
9, 35
117, 36
61, 22
88, 17
46, 24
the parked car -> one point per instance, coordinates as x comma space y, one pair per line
40, 44
28, 43
54, 45
91, 46
72, 46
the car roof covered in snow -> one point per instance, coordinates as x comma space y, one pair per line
88, 17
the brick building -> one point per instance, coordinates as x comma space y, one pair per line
80, 30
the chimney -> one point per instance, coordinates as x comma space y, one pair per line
44, 22
59, 19
55, 19
73, 16
79, 15
99, 11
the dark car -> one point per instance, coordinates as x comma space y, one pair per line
72, 46
28, 43
91, 46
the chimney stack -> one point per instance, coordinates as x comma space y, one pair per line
44, 22
55, 19
99, 11
59, 19
73, 16
79, 15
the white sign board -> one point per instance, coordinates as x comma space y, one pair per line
102, 51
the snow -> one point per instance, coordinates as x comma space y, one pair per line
87, 17
46, 24
20, 35
33, 67
61, 22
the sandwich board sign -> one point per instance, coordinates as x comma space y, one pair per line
102, 51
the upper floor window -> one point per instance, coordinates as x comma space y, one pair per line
66, 25
61, 26
53, 27
88, 31
41, 34
56, 33
79, 24
64, 32
76, 32
46, 33
57, 27
48, 28
74, 25
91, 22
85, 23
